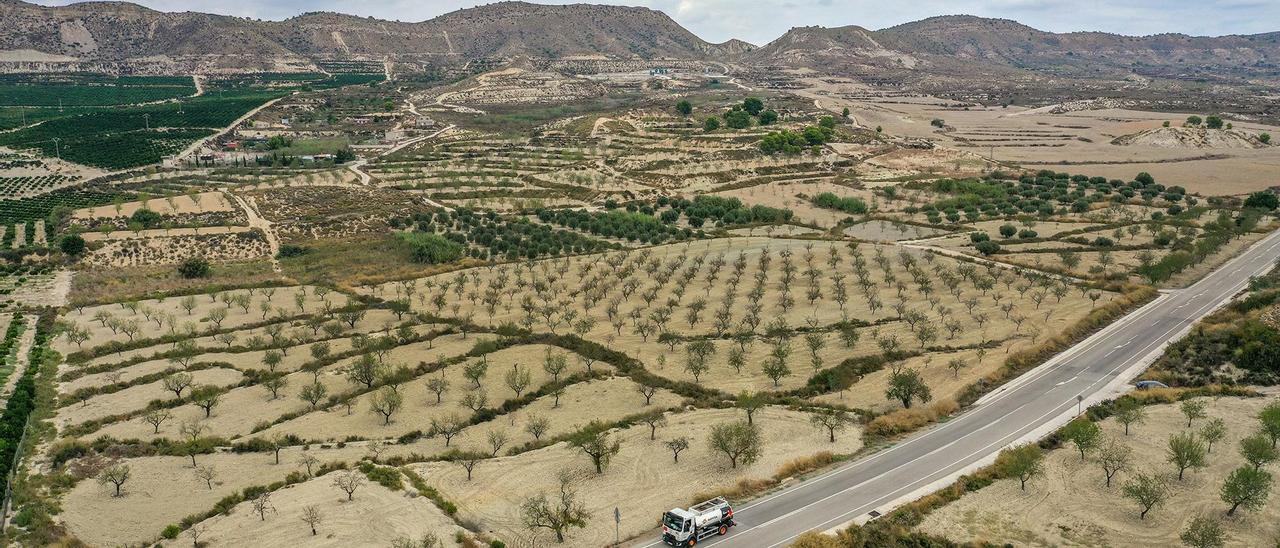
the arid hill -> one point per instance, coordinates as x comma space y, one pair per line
956, 43
107, 33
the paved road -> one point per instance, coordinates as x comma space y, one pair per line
1025, 409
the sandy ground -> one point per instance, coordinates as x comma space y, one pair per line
136, 397
783, 194
202, 202
493, 496
1071, 506
281, 301
887, 231
162, 233
163, 490
944, 383
374, 322
375, 517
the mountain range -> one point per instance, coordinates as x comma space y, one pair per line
127, 36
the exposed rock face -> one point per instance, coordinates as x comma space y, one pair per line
1187, 137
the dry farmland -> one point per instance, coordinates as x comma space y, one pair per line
1071, 504
526, 286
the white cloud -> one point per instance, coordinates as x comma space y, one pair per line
759, 21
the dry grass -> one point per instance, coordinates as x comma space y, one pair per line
908, 420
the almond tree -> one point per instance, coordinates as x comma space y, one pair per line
447, 427
156, 417
348, 481
518, 379
594, 440
750, 402
1023, 462
560, 515
655, 419
313, 393
1246, 488
206, 474
115, 474
537, 426
438, 385
177, 383
831, 420
1114, 457
386, 401
312, 517
739, 441
1186, 451
676, 446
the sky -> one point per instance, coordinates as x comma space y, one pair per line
759, 21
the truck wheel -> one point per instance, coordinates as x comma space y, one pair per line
723, 530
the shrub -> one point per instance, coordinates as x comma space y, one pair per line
292, 250
987, 247
195, 267
171, 531
848, 205
430, 248
72, 244
1263, 200
804, 465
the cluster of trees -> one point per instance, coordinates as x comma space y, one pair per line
489, 235
1187, 252
851, 205
1211, 121
1246, 487
723, 211
740, 116
792, 142
634, 227
1045, 193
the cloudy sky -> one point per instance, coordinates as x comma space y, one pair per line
759, 21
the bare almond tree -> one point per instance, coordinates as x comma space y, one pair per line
115, 474
348, 481
156, 417
206, 474
312, 517
262, 505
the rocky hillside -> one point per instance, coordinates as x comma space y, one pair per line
112, 32
100, 34
955, 43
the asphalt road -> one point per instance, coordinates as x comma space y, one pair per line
1026, 408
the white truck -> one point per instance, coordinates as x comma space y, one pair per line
682, 527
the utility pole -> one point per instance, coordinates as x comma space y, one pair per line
56, 149
147, 117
